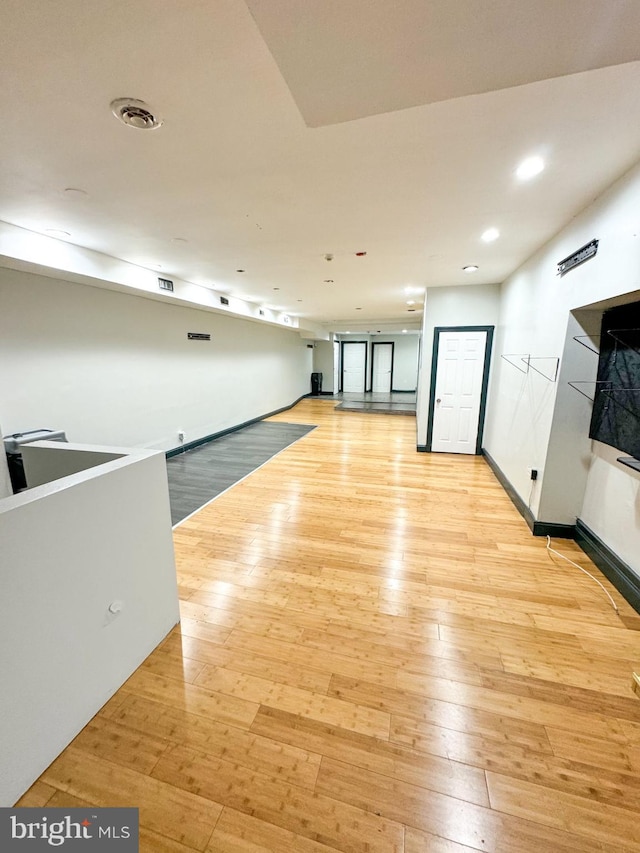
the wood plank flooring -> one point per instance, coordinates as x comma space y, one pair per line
375, 656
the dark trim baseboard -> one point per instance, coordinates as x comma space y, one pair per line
538, 528
622, 576
207, 438
402, 391
556, 531
422, 448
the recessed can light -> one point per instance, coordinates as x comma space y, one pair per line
358, 309
328, 281
411, 301
240, 270
490, 235
276, 288
470, 268
529, 168
404, 331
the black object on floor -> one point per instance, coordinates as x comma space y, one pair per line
198, 475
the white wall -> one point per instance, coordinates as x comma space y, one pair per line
524, 411
611, 505
405, 360
323, 363
472, 305
69, 550
110, 368
46, 461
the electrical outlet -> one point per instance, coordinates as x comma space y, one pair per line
180, 435
533, 473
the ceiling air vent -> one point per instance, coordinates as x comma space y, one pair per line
224, 300
165, 284
135, 113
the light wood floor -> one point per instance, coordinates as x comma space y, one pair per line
375, 655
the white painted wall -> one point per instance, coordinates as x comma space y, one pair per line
110, 368
405, 359
524, 412
323, 363
472, 305
46, 461
611, 506
69, 550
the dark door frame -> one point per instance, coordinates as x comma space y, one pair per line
343, 344
485, 379
373, 359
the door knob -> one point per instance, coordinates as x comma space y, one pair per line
438, 400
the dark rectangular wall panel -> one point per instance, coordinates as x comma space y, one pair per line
616, 409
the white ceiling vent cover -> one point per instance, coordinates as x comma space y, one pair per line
135, 113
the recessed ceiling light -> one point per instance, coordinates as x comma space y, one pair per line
299, 300
55, 232
490, 235
529, 168
240, 270
276, 288
328, 281
404, 331
358, 309
470, 268
411, 301
412, 289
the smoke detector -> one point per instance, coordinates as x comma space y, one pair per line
135, 113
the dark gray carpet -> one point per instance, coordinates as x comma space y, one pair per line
198, 475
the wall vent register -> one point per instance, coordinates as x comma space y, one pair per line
165, 284
198, 336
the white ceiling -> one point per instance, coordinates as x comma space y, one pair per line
415, 157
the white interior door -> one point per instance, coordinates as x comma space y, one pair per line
336, 366
354, 359
382, 363
458, 391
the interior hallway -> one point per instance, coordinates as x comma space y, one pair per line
375, 655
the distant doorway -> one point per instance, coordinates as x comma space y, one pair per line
354, 366
382, 358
